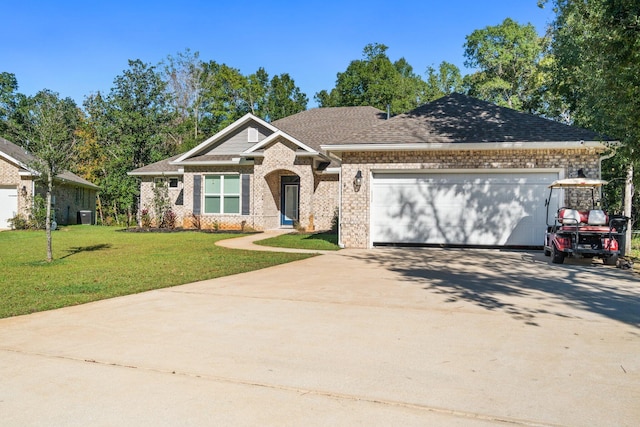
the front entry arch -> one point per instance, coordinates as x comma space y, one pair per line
290, 200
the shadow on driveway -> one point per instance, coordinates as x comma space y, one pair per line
522, 284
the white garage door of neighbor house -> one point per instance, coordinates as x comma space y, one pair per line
8, 205
467, 208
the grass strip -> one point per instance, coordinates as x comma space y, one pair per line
93, 263
313, 241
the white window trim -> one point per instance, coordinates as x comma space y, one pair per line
221, 195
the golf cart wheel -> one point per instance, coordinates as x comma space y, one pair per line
557, 257
547, 252
611, 260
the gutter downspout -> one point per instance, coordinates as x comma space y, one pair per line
340, 243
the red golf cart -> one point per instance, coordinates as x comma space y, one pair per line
586, 233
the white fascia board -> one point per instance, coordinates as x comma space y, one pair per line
459, 146
231, 162
331, 171
157, 173
314, 154
221, 134
17, 162
275, 136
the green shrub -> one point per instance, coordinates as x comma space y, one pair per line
38, 214
145, 218
335, 220
36, 217
19, 222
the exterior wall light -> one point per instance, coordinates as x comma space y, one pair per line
23, 191
357, 181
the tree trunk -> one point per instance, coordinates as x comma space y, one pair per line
115, 212
100, 209
628, 195
48, 220
195, 116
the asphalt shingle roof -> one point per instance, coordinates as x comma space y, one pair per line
162, 166
311, 127
23, 156
16, 152
320, 126
459, 118
454, 118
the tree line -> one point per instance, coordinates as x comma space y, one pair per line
584, 71
151, 112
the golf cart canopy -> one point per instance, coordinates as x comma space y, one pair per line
578, 183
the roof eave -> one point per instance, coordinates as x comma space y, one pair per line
224, 132
273, 137
79, 184
330, 171
233, 162
20, 164
462, 146
156, 173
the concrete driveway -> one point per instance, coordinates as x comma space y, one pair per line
378, 337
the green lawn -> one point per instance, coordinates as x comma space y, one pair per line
93, 263
314, 241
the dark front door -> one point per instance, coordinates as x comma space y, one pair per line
290, 200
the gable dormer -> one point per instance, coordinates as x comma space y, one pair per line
233, 139
239, 141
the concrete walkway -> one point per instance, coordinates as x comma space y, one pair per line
359, 337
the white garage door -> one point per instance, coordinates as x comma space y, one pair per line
469, 208
8, 205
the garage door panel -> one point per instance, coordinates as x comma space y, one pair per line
8, 205
465, 209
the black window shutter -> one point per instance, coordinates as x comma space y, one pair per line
246, 192
196, 194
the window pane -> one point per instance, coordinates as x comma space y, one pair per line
212, 204
212, 184
232, 204
232, 184
173, 182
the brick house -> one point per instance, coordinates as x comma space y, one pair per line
456, 171
18, 185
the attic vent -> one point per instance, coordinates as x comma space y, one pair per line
253, 135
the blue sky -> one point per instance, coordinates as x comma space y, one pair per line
77, 48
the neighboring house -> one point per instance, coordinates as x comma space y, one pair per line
456, 171
71, 194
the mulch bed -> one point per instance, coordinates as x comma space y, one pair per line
180, 229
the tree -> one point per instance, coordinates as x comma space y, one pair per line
506, 57
256, 92
47, 130
376, 81
230, 95
8, 88
186, 82
224, 98
130, 125
445, 81
284, 98
596, 44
